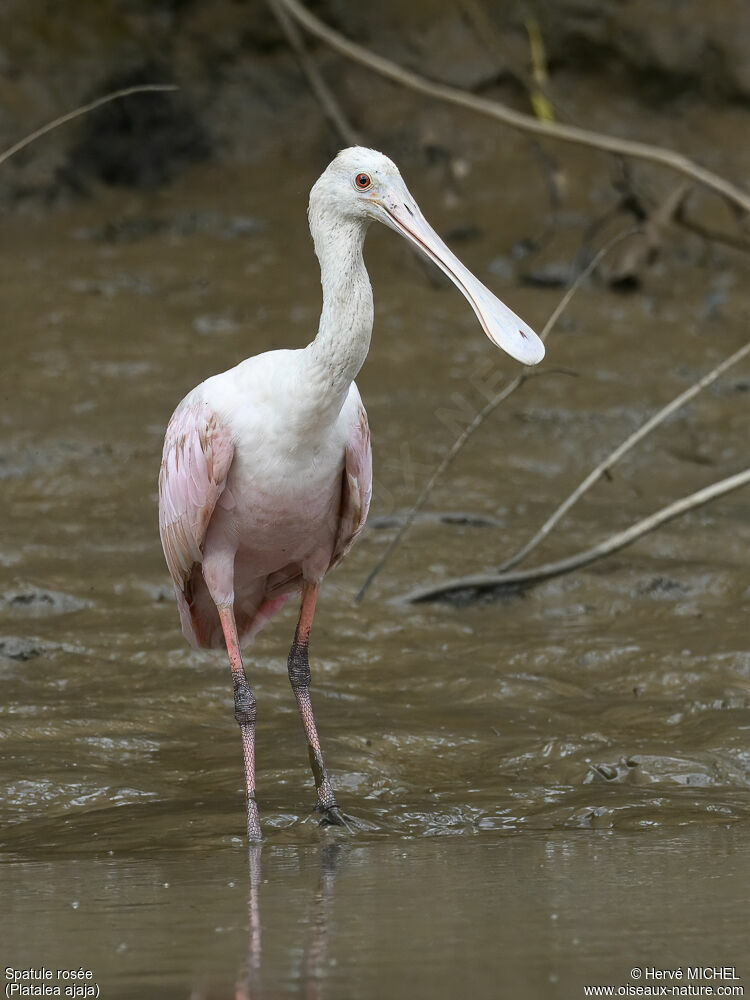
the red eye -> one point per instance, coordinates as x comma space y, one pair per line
362, 181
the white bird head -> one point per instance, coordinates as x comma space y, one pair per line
365, 186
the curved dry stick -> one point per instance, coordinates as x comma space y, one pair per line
616, 455
516, 119
461, 440
617, 541
82, 110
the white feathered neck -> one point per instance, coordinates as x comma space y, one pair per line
340, 348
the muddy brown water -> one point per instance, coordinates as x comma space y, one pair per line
552, 788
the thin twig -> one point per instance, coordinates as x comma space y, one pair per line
319, 87
615, 456
522, 578
516, 119
82, 110
479, 419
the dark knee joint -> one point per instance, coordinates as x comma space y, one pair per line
244, 706
298, 665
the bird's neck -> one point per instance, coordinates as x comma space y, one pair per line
340, 348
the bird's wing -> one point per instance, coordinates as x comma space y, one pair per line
356, 489
198, 451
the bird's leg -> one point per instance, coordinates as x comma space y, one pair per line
299, 677
244, 713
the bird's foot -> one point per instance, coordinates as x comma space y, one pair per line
332, 816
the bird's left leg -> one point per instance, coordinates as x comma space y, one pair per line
299, 677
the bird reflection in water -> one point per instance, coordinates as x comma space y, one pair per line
314, 962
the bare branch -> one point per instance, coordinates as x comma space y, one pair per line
82, 110
516, 119
529, 577
622, 449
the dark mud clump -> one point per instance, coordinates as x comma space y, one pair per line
140, 141
35, 601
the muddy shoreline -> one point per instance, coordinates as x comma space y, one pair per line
552, 788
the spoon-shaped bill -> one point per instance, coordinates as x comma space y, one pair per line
502, 326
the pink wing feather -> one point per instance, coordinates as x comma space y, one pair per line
198, 451
356, 491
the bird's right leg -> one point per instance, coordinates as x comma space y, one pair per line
218, 572
244, 713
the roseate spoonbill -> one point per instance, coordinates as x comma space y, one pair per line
266, 475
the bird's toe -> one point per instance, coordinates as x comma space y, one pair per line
332, 816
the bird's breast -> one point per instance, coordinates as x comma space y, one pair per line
282, 497
283, 501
